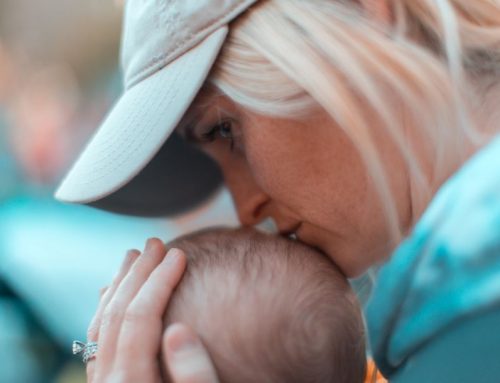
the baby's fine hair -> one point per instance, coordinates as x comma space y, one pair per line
269, 309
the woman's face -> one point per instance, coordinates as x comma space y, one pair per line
306, 175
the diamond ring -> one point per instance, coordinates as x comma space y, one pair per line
88, 350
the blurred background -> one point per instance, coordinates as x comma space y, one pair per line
59, 75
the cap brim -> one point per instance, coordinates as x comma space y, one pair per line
129, 166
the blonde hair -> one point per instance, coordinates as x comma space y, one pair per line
286, 58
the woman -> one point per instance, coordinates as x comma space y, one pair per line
341, 120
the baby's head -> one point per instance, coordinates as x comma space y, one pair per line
269, 309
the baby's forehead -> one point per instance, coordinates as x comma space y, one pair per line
245, 249
239, 240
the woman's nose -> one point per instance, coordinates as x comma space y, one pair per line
250, 206
249, 199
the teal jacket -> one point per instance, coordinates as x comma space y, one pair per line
434, 314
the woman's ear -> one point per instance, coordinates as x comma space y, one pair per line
378, 9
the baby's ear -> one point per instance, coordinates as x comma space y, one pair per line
379, 10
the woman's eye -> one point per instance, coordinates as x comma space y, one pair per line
223, 130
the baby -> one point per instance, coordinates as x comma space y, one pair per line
268, 309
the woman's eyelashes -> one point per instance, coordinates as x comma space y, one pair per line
223, 130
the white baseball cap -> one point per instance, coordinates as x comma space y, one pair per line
129, 166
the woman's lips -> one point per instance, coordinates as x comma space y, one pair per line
291, 232
303, 234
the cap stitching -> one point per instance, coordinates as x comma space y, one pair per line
120, 163
125, 133
125, 153
109, 153
104, 140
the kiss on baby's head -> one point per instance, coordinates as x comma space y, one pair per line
268, 309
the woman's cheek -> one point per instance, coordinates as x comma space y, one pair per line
267, 170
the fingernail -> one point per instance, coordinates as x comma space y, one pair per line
172, 256
132, 253
180, 338
129, 257
154, 246
148, 243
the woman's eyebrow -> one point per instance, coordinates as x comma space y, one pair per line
187, 129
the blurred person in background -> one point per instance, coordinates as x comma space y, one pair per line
56, 82
8, 168
43, 118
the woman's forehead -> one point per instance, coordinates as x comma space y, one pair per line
208, 101
200, 105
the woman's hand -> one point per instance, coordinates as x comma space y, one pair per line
128, 325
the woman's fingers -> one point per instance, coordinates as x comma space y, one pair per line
114, 311
106, 294
142, 326
186, 357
